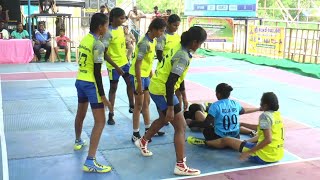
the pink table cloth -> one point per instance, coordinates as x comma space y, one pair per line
16, 51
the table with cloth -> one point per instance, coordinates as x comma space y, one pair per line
16, 51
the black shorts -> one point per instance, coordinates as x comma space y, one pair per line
61, 47
209, 134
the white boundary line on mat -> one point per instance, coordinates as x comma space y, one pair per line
247, 168
4, 154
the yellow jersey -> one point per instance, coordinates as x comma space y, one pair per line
117, 47
178, 63
91, 50
274, 151
167, 42
144, 52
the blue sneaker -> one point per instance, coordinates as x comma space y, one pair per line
78, 144
91, 165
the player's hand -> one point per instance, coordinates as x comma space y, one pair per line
106, 103
120, 71
151, 74
139, 89
244, 156
36, 42
185, 104
170, 114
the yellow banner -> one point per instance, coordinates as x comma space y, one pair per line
90, 10
266, 41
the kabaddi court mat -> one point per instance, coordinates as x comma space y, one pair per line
39, 104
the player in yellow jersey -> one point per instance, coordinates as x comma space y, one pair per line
167, 42
140, 71
116, 57
90, 89
168, 77
267, 145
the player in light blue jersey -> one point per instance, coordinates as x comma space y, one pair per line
223, 116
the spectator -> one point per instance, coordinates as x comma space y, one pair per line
135, 15
4, 32
20, 33
130, 40
156, 13
166, 15
42, 39
62, 43
4, 14
103, 9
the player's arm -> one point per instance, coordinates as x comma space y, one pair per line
98, 60
159, 48
106, 42
265, 124
143, 48
249, 110
182, 90
178, 67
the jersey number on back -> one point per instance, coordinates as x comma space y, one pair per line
227, 121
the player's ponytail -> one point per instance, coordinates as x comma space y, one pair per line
157, 24
224, 90
195, 33
271, 100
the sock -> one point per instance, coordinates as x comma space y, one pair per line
90, 158
131, 106
78, 140
136, 130
111, 114
148, 126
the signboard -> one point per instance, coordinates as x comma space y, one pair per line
219, 8
266, 41
218, 29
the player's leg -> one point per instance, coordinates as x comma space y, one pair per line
114, 79
139, 100
98, 110
81, 114
179, 125
126, 78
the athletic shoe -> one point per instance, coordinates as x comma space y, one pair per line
142, 144
135, 136
111, 120
91, 165
160, 133
78, 144
131, 109
195, 141
182, 169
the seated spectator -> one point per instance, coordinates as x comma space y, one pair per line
4, 32
42, 39
62, 43
130, 40
20, 33
4, 14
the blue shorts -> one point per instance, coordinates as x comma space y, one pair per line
115, 76
254, 159
145, 83
161, 103
88, 92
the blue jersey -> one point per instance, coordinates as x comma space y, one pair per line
226, 117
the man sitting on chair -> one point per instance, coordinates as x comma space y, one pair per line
42, 39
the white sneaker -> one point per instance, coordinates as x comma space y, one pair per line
143, 147
183, 170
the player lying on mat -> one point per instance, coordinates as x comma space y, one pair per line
267, 145
223, 116
196, 115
